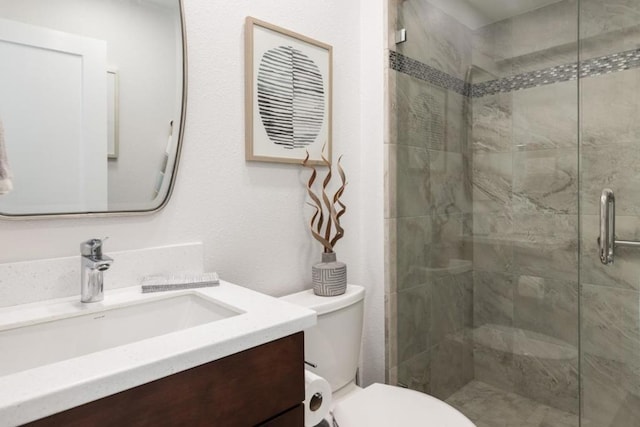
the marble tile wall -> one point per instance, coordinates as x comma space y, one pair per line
610, 363
525, 233
525, 205
437, 39
525, 209
429, 345
482, 216
610, 330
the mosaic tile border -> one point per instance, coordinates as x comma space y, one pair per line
593, 67
560, 73
417, 69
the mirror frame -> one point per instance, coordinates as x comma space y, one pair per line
174, 172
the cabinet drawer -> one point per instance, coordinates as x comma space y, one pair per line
244, 389
291, 418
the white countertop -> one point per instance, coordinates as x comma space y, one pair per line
35, 393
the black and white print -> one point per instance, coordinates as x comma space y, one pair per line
288, 96
291, 97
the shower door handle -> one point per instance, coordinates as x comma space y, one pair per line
607, 242
607, 239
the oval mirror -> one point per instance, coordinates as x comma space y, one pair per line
92, 100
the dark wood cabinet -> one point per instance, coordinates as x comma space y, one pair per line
262, 386
292, 418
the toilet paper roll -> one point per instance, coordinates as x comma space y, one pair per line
317, 398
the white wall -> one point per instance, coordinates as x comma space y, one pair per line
251, 216
372, 56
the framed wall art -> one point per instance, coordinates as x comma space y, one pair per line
287, 95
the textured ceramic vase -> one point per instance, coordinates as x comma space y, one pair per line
330, 276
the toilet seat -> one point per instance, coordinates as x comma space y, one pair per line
381, 405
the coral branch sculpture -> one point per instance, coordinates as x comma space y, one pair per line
326, 217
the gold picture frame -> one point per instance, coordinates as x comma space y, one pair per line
288, 95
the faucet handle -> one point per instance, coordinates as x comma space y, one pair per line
92, 248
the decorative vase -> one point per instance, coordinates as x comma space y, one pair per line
329, 277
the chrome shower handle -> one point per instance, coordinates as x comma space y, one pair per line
607, 239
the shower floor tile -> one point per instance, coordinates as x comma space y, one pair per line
488, 406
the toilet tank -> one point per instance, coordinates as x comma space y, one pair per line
334, 343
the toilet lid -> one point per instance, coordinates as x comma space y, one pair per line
382, 405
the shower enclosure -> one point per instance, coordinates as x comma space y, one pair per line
507, 119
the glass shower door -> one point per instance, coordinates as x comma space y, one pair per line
610, 158
483, 222
506, 125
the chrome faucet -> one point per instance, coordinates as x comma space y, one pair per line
93, 264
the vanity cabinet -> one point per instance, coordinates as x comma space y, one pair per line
262, 386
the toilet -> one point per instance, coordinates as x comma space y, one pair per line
333, 345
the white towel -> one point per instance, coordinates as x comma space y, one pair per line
5, 173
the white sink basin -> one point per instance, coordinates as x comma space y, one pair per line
79, 333
58, 354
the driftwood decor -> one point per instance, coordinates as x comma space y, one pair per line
329, 277
325, 222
